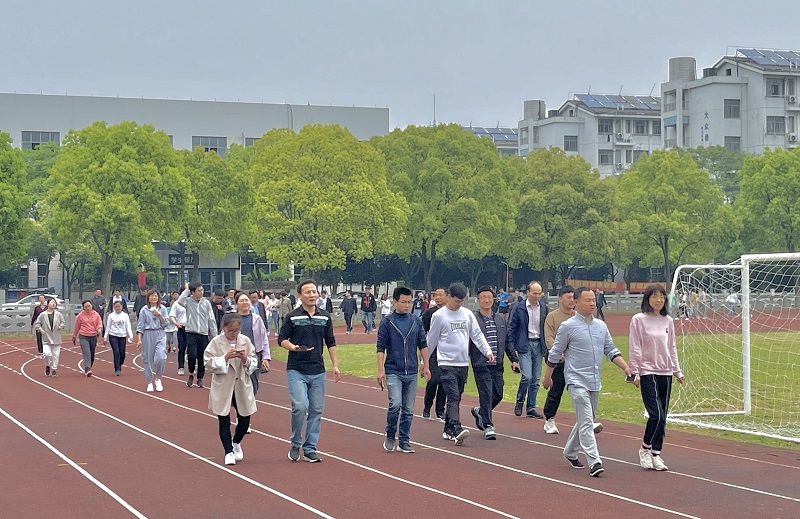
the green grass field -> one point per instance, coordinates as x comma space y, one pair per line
776, 380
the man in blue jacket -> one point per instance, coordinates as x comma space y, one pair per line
526, 332
401, 338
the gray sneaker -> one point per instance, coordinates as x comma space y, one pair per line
294, 454
311, 457
488, 433
405, 447
388, 445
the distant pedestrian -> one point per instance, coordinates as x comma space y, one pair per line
88, 327
434, 392
349, 308
368, 308
118, 332
151, 339
601, 302
200, 326
48, 326
38, 309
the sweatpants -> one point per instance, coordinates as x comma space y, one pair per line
88, 345
51, 354
196, 347
453, 380
154, 353
656, 390
181, 346
582, 435
555, 392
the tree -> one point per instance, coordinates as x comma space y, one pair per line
567, 215
14, 204
723, 166
321, 198
41, 248
679, 209
456, 191
769, 201
38, 164
122, 186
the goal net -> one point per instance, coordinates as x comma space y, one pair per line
738, 336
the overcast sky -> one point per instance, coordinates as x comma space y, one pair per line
481, 59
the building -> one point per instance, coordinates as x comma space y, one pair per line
505, 139
609, 131
32, 119
745, 102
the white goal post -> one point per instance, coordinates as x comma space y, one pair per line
737, 328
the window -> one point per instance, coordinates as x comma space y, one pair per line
617, 156
731, 108
790, 124
523, 135
32, 140
570, 143
604, 125
217, 144
657, 127
774, 86
535, 135
41, 274
790, 86
685, 99
638, 153
776, 125
733, 143
605, 157
628, 126
640, 127
250, 141
629, 156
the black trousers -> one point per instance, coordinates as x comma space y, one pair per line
242, 423
196, 345
600, 313
656, 390
181, 346
118, 350
453, 380
490, 383
348, 320
39, 345
433, 389
556, 390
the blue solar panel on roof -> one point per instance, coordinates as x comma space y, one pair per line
789, 55
762, 60
588, 100
606, 102
750, 53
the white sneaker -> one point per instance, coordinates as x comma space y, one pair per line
550, 426
149, 387
598, 427
237, 452
658, 463
159, 387
230, 459
645, 458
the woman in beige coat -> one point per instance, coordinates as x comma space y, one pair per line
230, 357
49, 324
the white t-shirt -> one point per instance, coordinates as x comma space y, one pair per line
450, 333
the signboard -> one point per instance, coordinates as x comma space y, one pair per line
612, 286
175, 260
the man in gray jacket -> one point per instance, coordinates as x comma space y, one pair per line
200, 326
583, 341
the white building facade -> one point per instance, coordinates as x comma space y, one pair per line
746, 102
609, 131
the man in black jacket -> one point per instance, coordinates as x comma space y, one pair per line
489, 375
368, 307
348, 307
433, 389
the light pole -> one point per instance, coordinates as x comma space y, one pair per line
506, 264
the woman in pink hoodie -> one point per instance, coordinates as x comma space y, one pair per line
654, 361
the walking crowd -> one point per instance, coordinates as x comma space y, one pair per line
438, 339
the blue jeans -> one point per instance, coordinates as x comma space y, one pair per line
530, 367
367, 319
402, 391
307, 393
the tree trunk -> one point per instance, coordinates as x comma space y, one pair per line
195, 267
105, 273
545, 280
429, 271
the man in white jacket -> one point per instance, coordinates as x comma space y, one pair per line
452, 327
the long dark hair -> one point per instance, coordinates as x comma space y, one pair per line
649, 291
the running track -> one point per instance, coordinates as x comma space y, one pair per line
102, 447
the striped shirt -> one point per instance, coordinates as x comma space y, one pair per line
491, 336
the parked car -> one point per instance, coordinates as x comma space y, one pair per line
337, 298
31, 300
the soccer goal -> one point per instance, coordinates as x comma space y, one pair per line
738, 336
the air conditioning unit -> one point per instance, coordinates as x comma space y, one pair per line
793, 137
619, 165
792, 99
619, 136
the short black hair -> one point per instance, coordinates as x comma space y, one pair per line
580, 290
219, 292
401, 291
457, 290
566, 289
194, 286
254, 291
304, 283
485, 288
649, 291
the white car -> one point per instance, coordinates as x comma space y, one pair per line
31, 300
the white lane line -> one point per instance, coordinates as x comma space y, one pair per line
534, 442
75, 466
178, 447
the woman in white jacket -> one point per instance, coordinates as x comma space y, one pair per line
230, 358
49, 324
118, 333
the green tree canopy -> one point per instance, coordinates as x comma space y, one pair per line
123, 185
679, 209
769, 201
38, 164
456, 192
14, 204
321, 197
723, 166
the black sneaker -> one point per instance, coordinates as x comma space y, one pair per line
199, 382
405, 447
294, 454
54, 373
476, 412
312, 457
47, 371
440, 417
575, 463
460, 436
534, 414
190, 381
426, 413
596, 469
518, 409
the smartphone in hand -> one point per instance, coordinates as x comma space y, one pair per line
630, 378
